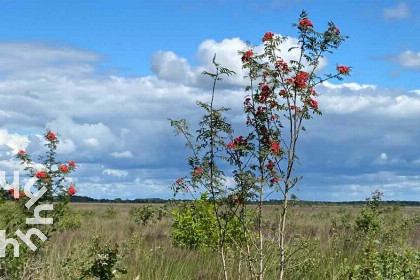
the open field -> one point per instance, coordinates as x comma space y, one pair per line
147, 251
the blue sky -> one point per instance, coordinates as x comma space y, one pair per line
110, 74
128, 33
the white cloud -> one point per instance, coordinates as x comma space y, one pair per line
383, 159
370, 100
383, 156
125, 154
66, 147
115, 172
350, 86
168, 66
361, 186
408, 59
91, 142
14, 141
20, 58
400, 11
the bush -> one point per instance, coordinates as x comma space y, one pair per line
148, 213
143, 215
162, 212
385, 264
111, 212
12, 218
71, 220
195, 226
99, 261
369, 221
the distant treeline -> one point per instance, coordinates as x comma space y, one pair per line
86, 199
77, 198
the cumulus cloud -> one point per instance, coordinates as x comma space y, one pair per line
116, 127
115, 172
408, 59
125, 154
400, 11
369, 100
23, 59
385, 160
14, 141
168, 66
348, 86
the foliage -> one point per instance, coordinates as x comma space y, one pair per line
148, 213
195, 225
95, 260
52, 175
12, 218
387, 263
368, 221
384, 233
111, 212
71, 220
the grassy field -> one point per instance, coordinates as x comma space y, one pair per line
147, 251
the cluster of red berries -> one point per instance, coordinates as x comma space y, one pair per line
239, 141
268, 36
301, 79
343, 69
247, 56
274, 147
282, 66
305, 23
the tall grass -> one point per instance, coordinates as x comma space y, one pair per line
147, 251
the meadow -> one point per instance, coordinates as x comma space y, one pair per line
331, 242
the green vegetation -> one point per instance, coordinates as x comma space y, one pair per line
330, 243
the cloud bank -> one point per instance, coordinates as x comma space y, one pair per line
400, 11
116, 127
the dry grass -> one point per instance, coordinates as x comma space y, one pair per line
148, 252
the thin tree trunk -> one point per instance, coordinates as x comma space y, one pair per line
212, 190
287, 186
260, 229
223, 257
282, 227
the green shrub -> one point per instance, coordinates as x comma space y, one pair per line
71, 220
148, 213
195, 226
12, 218
389, 263
162, 212
95, 260
143, 214
111, 212
369, 221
